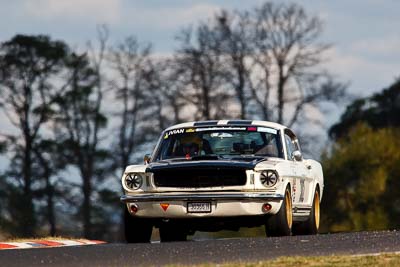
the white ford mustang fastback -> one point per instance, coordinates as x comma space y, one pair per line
227, 174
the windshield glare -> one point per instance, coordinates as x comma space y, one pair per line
223, 142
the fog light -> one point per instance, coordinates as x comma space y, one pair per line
134, 208
266, 207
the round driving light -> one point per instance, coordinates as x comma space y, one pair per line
133, 181
266, 207
268, 178
134, 208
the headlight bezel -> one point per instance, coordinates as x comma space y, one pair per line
269, 178
133, 181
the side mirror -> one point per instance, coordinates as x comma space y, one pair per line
146, 159
297, 156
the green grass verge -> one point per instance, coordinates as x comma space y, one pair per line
383, 260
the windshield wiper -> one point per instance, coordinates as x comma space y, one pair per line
172, 159
248, 157
196, 157
206, 157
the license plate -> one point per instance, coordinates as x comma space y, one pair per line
199, 207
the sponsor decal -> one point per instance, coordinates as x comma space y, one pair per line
172, 132
233, 128
221, 129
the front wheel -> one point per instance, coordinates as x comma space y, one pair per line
137, 230
311, 226
280, 224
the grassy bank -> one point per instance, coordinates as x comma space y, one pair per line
383, 260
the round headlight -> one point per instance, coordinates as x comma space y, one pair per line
133, 181
269, 178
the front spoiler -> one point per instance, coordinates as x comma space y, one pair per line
204, 197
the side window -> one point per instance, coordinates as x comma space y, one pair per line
297, 145
289, 150
290, 146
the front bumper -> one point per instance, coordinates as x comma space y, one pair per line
223, 204
204, 197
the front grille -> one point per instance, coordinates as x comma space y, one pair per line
200, 177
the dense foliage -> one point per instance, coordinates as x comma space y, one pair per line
362, 168
362, 177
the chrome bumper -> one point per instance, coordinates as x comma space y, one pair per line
203, 197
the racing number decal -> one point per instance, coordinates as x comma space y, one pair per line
302, 189
293, 190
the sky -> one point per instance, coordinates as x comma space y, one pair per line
365, 34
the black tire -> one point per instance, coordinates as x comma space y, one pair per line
311, 226
280, 224
171, 232
137, 230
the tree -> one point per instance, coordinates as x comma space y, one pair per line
268, 59
79, 123
200, 73
48, 163
234, 33
132, 89
364, 163
288, 56
361, 180
29, 66
165, 91
378, 111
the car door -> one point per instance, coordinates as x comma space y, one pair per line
306, 181
302, 180
293, 167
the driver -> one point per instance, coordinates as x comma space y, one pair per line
191, 144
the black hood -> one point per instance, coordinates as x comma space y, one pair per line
202, 164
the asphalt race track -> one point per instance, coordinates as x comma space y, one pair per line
206, 251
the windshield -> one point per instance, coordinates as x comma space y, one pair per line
224, 142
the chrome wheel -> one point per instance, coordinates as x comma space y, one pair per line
316, 209
289, 211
